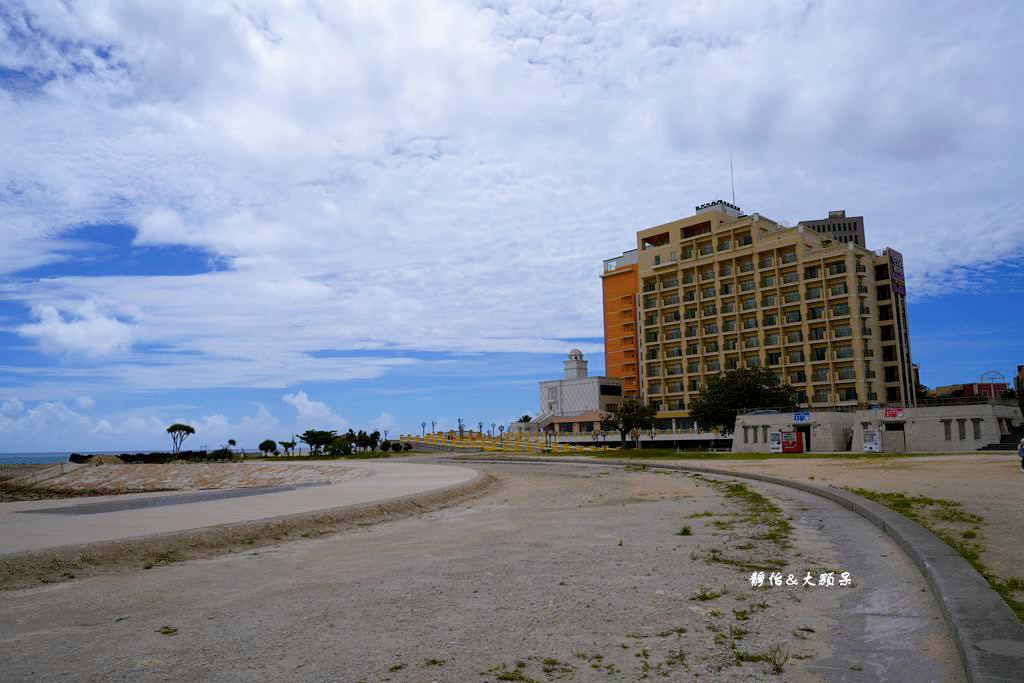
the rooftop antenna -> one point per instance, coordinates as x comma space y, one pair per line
732, 180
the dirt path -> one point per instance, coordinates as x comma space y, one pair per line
561, 572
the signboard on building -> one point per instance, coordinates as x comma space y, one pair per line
894, 413
774, 442
801, 417
899, 284
872, 441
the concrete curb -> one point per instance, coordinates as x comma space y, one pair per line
988, 635
30, 568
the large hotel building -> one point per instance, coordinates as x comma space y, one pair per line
721, 290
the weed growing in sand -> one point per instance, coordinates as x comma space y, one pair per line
167, 631
685, 531
776, 657
166, 557
557, 669
396, 667
504, 673
677, 632
695, 515
433, 662
703, 595
741, 614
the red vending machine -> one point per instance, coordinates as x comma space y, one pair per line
792, 442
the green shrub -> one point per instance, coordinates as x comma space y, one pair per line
396, 446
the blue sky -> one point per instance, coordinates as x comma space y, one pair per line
338, 215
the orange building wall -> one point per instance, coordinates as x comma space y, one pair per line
621, 345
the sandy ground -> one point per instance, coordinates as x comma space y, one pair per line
192, 476
560, 572
109, 479
990, 486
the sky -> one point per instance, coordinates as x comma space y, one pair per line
264, 217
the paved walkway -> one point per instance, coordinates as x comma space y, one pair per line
24, 527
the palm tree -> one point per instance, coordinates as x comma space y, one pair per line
524, 418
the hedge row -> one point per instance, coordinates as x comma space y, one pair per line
193, 456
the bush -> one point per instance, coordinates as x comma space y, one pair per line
222, 454
385, 446
339, 448
396, 446
406, 446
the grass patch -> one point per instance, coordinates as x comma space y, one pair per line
697, 515
556, 669
433, 662
166, 557
936, 515
685, 531
504, 673
703, 595
167, 631
775, 656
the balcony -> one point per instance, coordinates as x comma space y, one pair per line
789, 257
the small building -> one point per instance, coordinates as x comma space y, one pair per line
576, 403
968, 425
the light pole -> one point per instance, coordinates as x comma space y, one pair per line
480, 426
424, 425
433, 426
461, 428
493, 425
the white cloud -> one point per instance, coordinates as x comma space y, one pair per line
442, 177
383, 421
85, 402
60, 427
312, 414
11, 407
90, 333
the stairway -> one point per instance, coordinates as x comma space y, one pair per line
1008, 442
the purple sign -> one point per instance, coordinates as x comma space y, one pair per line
899, 284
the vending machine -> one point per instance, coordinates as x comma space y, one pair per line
792, 442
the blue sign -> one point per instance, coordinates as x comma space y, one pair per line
801, 417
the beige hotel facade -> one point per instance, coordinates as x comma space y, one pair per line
721, 290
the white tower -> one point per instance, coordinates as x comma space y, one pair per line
575, 367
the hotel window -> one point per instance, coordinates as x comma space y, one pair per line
820, 375
770, 319
768, 281
727, 288
771, 339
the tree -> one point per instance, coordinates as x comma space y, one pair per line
743, 388
524, 419
339, 447
179, 432
374, 439
288, 446
317, 439
268, 446
627, 416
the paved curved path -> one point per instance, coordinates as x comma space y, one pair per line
23, 527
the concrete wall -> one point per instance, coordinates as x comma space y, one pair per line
575, 396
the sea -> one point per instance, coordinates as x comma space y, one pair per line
32, 458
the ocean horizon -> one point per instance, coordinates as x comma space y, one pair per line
51, 456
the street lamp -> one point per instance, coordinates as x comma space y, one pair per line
480, 425
493, 425
461, 429
424, 425
433, 426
